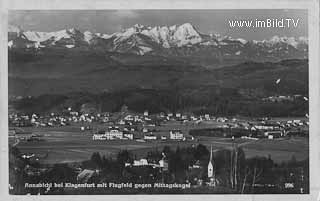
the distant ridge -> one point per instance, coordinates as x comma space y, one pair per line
175, 40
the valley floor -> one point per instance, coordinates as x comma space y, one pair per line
68, 144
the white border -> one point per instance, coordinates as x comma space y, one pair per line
314, 83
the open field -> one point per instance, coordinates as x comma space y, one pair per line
69, 144
279, 149
73, 147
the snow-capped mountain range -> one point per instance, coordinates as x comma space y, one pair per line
176, 40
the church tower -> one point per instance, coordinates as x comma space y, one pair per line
210, 165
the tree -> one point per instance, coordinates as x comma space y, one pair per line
256, 175
60, 173
96, 160
201, 152
167, 150
247, 172
237, 166
293, 161
256, 167
154, 156
124, 157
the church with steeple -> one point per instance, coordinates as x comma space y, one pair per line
211, 173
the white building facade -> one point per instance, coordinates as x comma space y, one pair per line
176, 135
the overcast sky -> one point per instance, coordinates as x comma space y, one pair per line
206, 21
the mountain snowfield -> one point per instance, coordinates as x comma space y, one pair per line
179, 40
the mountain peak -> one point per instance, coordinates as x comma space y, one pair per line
140, 39
275, 39
73, 30
187, 25
138, 26
186, 34
88, 36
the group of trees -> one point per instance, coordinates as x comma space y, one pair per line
218, 101
233, 171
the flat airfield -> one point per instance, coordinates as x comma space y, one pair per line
69, 144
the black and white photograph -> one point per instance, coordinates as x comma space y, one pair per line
158, 101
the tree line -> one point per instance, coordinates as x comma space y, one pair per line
234, 173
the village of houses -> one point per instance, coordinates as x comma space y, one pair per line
149, 127
145, 128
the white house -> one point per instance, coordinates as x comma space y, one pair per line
184, 117
274, 134
176, 135
137, 119
99, 137
161, 163
128, 135
129, 118
85, 175
141, 162
113, 133
193, 118
150, 137
145, 130
122, 122
146, 113
163, 137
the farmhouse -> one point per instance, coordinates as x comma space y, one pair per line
197, 165
85, 175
